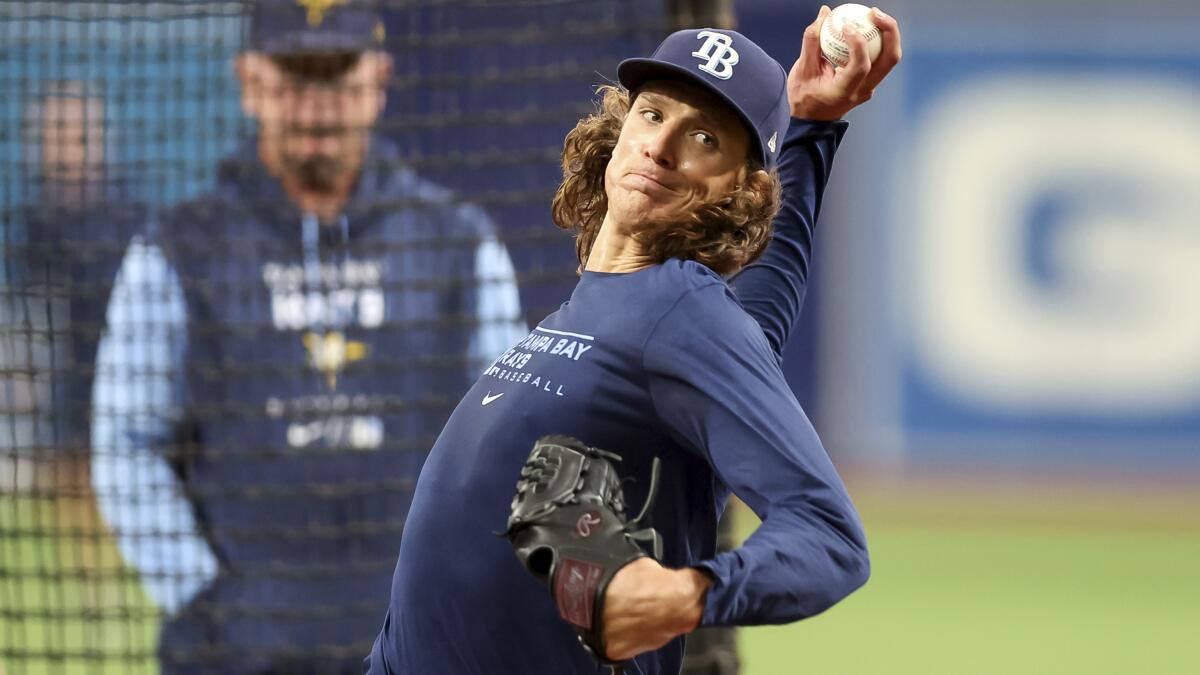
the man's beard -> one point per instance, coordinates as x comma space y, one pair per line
318, 173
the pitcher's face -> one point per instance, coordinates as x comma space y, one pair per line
680, 148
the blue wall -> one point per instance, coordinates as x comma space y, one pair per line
1015, 243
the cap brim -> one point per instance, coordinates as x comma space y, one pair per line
311, 42
633, 73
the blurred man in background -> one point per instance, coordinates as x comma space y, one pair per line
279, 356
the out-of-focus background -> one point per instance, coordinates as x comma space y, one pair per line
1001, 349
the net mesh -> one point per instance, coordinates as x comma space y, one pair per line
216, 473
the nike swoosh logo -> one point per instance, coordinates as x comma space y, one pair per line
489, 398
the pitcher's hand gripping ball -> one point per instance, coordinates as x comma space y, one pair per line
833, 43
567, 525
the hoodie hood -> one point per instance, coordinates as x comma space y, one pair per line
384, 183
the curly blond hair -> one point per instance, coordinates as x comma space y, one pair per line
725, 235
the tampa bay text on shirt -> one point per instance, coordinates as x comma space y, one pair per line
514, 364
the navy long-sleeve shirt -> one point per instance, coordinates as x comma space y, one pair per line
664, 362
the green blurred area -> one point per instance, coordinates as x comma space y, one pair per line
67, 604
964, 581
1086, 582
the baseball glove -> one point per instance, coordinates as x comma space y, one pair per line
567, 525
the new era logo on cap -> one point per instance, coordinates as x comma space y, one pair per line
718, 54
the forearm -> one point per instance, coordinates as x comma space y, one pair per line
137, 492
773, 289
802, 560
152, 522
739, 413
648, 605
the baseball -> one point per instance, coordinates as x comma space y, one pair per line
834, 46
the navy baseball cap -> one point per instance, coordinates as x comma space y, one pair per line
729, 65
279, 27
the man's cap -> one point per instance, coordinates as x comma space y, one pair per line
729, 65
280, 27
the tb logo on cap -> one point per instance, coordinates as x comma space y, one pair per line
718, 53
317, 9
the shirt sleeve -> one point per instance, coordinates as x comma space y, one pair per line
136, 402
772, 289
497, 305
718, 389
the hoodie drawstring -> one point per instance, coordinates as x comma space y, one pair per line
314, 282
311, 239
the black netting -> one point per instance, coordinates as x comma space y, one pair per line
213, 469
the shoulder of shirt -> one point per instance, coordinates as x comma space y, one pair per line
447, 214
690, 273
704, 311
698, 291
388, 178
690, 277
